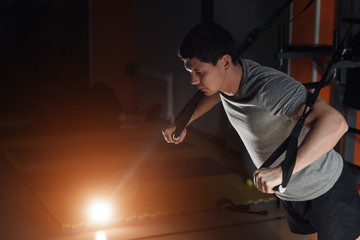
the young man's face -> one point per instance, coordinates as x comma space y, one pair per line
207, 77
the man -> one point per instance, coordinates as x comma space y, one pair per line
263, 105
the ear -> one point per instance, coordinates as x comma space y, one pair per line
226, 61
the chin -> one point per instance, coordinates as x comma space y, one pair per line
208, 93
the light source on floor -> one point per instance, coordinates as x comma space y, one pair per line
100, 212
100, 235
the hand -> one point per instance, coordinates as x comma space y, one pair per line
265, 179
168, 134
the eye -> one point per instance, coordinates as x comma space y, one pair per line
199, 73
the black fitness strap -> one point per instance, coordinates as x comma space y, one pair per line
291, 143
185, 114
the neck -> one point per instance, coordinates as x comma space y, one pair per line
233, 80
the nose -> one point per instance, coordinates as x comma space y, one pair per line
194, 79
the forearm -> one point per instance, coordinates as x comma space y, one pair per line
323, 135
206, 103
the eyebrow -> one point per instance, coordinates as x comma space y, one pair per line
188, 66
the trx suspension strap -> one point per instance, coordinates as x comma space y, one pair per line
255, 34
182, 119
291, 143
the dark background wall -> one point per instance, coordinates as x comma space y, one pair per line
52, 51
44, 55
160, 25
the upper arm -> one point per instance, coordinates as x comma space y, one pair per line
321, 111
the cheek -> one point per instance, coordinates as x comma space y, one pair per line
208, 82
217, 79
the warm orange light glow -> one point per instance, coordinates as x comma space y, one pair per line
100, 235
100, 212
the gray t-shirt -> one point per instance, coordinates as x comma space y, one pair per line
261, 111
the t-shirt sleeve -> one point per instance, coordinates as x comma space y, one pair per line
282, 95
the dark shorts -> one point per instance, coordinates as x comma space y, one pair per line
334, 216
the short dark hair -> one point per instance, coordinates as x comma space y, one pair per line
208, 42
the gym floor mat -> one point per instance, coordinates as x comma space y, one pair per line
134, 169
